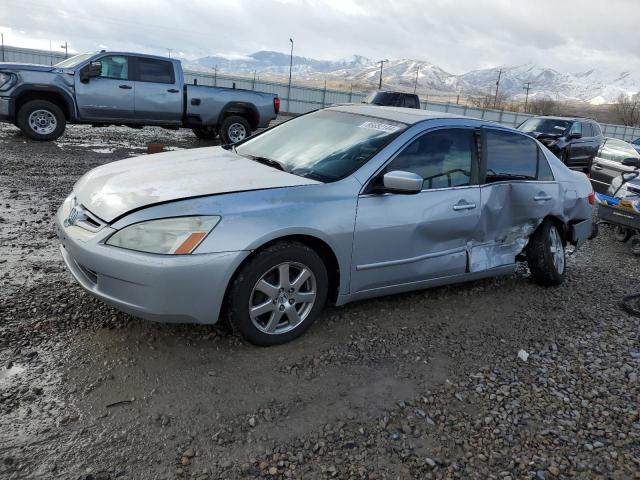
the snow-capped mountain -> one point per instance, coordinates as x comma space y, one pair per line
593, 85
278, 63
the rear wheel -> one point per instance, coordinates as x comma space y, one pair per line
205, 133
41, 120
234, 129
278, 294
546, 255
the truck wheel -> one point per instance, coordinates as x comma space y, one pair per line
278, 294
234, 129
545, 255
41, 120
205, 133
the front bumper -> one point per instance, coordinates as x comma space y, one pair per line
164, 288
7, 109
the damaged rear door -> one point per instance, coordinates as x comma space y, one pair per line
517, 192
407, 238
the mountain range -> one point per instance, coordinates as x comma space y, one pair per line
592, 86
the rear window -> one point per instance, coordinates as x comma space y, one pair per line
587, 130
158, 71
510, 156
596, 129
389, 99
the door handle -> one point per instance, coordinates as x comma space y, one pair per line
125, 87
542, 197
173, 90
462, 205
597, 167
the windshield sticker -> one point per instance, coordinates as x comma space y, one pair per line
382, 127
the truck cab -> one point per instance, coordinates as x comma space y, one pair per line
122, 88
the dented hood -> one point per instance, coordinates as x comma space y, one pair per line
114, 189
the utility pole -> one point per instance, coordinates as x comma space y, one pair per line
290, 69
65, 46
495, 98
215, 75
2, 38
527, 87
253, 85
415, 85
169, 50
382, 62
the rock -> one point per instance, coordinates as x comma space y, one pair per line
252, 422
189, 453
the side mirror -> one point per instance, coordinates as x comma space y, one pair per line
94, 69
575, 135
402, 182
631, 162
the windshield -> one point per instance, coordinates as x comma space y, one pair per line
324, 145
73, 61
545, 125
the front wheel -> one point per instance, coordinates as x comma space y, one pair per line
234, 129
278, 294
546, 255
41, 120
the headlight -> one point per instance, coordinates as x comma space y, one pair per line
5, 79
173, 236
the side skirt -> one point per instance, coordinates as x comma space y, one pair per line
423, 284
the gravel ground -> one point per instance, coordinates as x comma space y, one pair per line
420, 385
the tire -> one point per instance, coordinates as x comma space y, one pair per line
622, 234
41, 120
635, 245
547, 269
234, 129
258, 284
205, 133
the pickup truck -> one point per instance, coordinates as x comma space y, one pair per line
132, 89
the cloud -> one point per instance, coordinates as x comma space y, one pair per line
457, 35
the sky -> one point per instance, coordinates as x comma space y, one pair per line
456, 35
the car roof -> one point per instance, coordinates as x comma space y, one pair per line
395, 91
135, 54
570, 119
409, 116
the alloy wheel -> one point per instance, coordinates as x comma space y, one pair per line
282, 298
557, 249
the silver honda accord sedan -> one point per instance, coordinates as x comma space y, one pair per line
345, 203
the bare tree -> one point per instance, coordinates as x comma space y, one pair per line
627, 109
489, 101
543, 106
